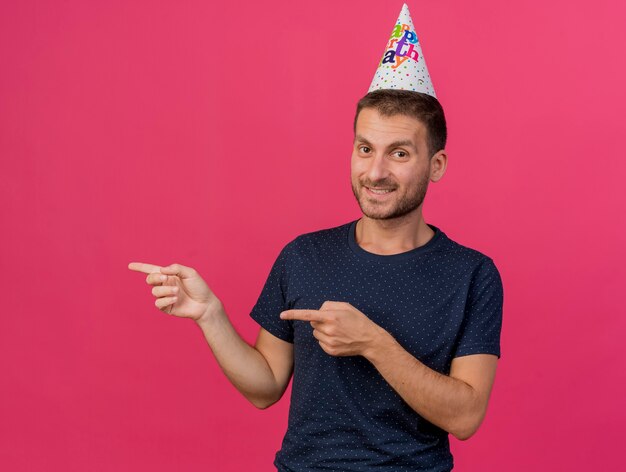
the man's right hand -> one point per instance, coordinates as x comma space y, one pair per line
261, 373
179, 290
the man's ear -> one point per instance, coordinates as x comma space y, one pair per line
438, 164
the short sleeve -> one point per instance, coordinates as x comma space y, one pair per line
273, 299
482, 324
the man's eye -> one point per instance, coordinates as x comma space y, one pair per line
364, 147
404, 154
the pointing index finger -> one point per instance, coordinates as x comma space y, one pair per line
145, 268
304, 315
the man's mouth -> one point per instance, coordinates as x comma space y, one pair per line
378, 191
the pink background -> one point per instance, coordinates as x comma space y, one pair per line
211, 134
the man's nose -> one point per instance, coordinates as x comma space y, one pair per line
377, 169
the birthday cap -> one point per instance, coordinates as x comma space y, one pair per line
402, 65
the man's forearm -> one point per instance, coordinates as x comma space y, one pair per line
245, 367
445, 401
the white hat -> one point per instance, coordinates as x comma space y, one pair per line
402, 65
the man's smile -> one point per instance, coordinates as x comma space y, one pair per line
379, 193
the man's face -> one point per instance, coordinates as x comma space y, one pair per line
389, 153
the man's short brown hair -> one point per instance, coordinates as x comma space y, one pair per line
421, 106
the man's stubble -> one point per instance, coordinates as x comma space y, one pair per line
400, 206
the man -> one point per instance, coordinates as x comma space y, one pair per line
390, 329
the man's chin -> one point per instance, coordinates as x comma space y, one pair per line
377, 214
376, 217
387, 213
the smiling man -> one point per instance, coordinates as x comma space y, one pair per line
396, 328
390, 329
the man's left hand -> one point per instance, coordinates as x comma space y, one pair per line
340, 328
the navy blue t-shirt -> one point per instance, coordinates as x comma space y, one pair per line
439, 301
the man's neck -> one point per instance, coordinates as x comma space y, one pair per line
387, 237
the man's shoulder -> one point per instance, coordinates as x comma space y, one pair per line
319, 239
462, 253
324, 233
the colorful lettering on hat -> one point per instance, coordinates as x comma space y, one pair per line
396, 52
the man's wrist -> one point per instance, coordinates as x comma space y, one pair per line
209, 315
381, 343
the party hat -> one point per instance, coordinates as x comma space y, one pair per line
402, 65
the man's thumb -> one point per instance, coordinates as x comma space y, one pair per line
177, 269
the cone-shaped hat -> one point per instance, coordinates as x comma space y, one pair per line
402, 65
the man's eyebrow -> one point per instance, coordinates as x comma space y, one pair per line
402, 142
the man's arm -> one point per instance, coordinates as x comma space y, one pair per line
456, 403
260, 373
